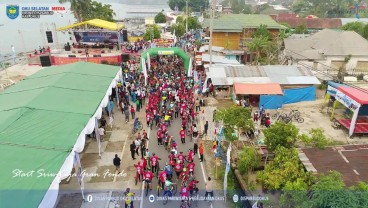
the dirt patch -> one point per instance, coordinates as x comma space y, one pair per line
114, 146
90, 160
225, 103
104, 174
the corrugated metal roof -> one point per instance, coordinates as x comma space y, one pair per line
217, 72
218, 59
243, 71
214, 48
220, 81
303, 80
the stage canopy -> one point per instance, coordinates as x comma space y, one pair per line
44, 120
95, 23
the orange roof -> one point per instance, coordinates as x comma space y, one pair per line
257, 89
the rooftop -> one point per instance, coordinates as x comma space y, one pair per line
350, 160
311, 23
236, 22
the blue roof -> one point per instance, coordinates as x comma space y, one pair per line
335, 84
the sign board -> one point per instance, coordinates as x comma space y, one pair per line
347, 101
165, 52
331, 90
101, 37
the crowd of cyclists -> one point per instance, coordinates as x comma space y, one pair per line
170, 96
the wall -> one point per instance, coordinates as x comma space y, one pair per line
67, 60
220, 39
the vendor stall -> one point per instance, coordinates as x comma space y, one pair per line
356, 101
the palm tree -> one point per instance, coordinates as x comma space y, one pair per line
77, 7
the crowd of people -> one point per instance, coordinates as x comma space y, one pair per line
169, 96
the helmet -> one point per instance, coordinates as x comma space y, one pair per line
127, 190
184, 169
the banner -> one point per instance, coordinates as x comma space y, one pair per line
101, 37
148, 61
331, 90
165, 52
227, 168
347, 101
144, 67
190, 68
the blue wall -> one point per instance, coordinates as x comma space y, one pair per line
290, 96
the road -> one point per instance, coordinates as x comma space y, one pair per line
200, 173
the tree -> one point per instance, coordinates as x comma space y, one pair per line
160, 18
257, 45
239, 7
152, 32
180, 19
193, 23
301, 29
285, 168
76, 7
96, 10
196, 5
179, 29
330, 191
280, 135
235, 118
294, 194
316, 138
359, 27
262, 31
248, 160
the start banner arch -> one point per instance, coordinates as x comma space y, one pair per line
165, 51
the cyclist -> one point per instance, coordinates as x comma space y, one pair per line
168, 187
191, 167
144, 163
174, 151
159, 137
136, 123
168, 170
172, 159
147, 156
182, 135
184, 192
139, 169
190, 155
178, 168
154, 162
181, 157
128, 198
184, 175
193, 186
148, 175
145, 135
162, 178
173, 144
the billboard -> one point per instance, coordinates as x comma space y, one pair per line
101, 37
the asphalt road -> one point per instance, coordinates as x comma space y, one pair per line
199, 170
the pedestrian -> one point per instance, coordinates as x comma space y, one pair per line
255, 116
101, 132
137, 143
132, 150
201, 151
209, 188
143, 147
214, 115
206, 127
116, 162
261, 110
132, 111
195, 148
126, 112
137, 105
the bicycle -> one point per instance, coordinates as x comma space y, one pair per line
295, 114
172, 191
277, 114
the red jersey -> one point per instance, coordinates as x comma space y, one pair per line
182, 133
148, 175
154, 160
144, 163
181, 157
191, 166
159, 134
171, 157
163, 176
139, 169
190, 155
178, 167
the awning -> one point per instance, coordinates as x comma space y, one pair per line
95, 23
257, 89
360, 96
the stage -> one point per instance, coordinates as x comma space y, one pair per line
361, 126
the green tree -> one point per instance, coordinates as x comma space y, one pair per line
193, 23
249, 159
330, 191
235, 118
152, 32
76, 7
294, 194
179, 29
196, 5
354, 26
160, 18
262, 31
257, 45
301, 29
179, 19
240, 7
96, 10
316, 138
280, 134
285, 167
361, 193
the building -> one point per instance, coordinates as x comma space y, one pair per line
349, 160
329, 50
232, 31
313, 24
297, 84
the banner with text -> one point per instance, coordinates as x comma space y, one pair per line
347, 101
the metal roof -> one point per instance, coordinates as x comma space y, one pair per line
285, 75
218, 59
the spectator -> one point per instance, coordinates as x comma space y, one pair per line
116, 162
132, 150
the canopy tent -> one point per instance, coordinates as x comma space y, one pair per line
95, 23
44, 122
257, 89
167, 51
332, 87
353, 99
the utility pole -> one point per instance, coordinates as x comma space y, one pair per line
186, 22
211, 31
